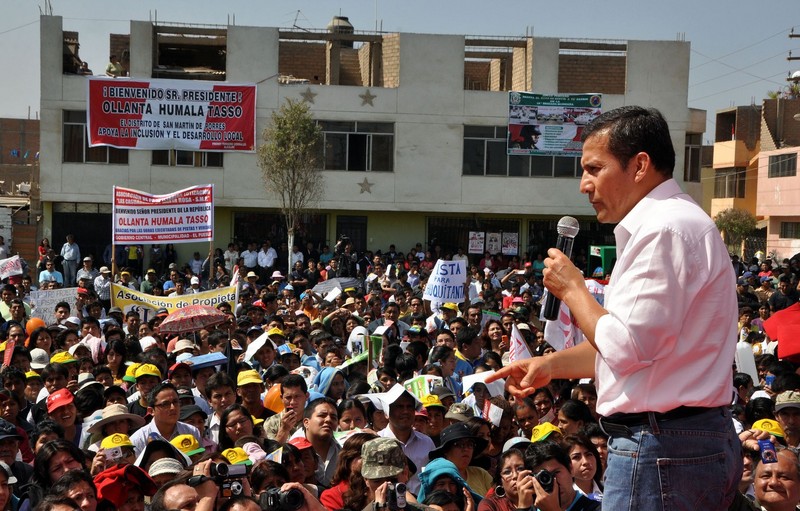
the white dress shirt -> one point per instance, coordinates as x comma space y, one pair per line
669, 337
418, 448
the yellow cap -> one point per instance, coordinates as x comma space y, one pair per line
432, 400
147, 370
130, 373
770, 426
63, 357
275, 331
237, 456
187, 444
116, 440
542, 431
451, 306
248, 377
32, 374
257, 421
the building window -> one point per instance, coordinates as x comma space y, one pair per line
790, 230
357, 146
76, 143
485, 154
783, 165
176, 158
691, 160
730, 183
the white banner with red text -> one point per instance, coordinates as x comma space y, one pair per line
181, 217
171, 114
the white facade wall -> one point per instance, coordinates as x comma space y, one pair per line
429, 109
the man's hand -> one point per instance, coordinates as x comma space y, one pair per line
311, 503
525, 376
560, 275
547, 501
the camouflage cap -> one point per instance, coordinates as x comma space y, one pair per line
382, 457
460, 412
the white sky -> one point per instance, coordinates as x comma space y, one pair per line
739, 48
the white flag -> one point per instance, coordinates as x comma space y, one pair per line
518, 349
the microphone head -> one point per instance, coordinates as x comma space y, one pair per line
568, 226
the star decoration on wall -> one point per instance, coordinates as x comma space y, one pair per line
308, 95
366, 98
366, 186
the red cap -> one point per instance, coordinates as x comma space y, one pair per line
301, 443
59, 398
260, 304
83, 291
176, 366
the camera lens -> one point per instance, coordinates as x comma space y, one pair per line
292, 500
222, 469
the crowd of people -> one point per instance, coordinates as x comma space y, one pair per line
375, 398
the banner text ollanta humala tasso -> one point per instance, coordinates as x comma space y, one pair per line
171, 114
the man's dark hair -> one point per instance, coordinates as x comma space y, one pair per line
313, 405
70, 479
540, 452
594, 431
458, 319
405, 365
465, 336
90, 320
742, 380
10, 288
219, 380
294, 381
62, 304
634, 129
45, 427
132, 314
443, 498
56, 369
390, 305
151, 398
10, 373
51, 501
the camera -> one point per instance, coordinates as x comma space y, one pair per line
397, 496
226, 476
546, 479
114, 454
274, 498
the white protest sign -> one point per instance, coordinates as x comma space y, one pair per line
10, 266
446, 283
43, 303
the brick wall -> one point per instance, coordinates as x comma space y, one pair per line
520, 75
789, 130
20, 134
391, 60
748, 126
498, 71
349, 67
302, 60
586, 73
370, 64
476, 75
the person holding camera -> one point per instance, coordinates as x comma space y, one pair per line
546, 482
383, 467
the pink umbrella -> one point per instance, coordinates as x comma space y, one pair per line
191, 319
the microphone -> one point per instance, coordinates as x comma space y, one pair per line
567, 228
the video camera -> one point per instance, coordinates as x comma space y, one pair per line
397, 496
227, 477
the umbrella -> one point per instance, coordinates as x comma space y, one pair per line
342, 283
784, 327
192, 318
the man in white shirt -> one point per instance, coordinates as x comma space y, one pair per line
401, 406
250, 257
266, 261
71, 254
165, 407
661, 350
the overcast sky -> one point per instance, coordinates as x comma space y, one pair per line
739, 48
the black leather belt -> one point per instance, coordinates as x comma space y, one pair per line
619, 423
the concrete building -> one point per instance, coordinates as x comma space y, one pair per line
414, 124
778, 180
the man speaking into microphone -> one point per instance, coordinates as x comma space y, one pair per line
661, 347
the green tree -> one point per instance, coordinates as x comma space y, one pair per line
735, 225
288, 161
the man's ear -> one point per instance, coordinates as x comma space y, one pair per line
642, 165
151, 411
